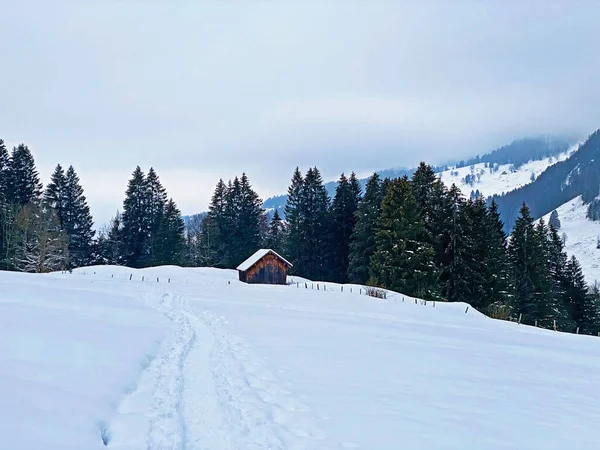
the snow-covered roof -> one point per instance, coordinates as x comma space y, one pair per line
257, 256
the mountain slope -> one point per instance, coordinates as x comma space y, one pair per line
522, 154
577, 175
92, 360
581, 236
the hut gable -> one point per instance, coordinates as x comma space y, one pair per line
265, 266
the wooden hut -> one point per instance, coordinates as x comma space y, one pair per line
264, 267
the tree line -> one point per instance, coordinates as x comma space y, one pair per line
412, 235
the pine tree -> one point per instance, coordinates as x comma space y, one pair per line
76, 220
362, 241
535, 298
356, 188
276, 234
582, 306
314, 244
155, 202
294, 217
497, 286
54, 195
170, 241
23, 184
215, 228
402, 260
343, 208
554, 220
135, 229
5, 207
248, 221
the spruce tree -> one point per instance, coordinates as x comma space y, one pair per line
362, 241
343, 208
248, 221
215, 228
356, 188
294, 218
276, 234
403, 261
23, 184
76, 220
170, 241
5, 209
554, 220
54, 195
135, 229
497, 285
582, 305
155, 202
315, 244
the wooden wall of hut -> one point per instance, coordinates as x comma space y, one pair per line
267, 270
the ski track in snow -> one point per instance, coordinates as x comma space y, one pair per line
206, 389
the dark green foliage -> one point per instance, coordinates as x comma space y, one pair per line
554, 220
276, 234
582, 305
294, 217
362, 241
169, 240
23, 183
233, 228
135, 221
342, 212
403, 260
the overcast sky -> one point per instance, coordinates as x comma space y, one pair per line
203, 90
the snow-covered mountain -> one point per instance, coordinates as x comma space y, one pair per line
490, 179
582, 236
125, 359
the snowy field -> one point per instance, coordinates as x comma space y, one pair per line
503, 180
92, 360
582, 236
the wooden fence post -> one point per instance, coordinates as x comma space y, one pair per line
142, 278
554, 324
520, 317
169, 280
577, 330
157, 280
536, 322
466, 309
130, 277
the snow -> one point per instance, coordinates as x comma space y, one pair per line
582, 235
194, 359
257, 256
503, 180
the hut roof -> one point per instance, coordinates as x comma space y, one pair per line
257, 256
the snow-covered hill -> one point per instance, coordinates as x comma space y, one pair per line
582, 236
490, 182
193, 359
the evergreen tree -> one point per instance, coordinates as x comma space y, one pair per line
215, 229
362, 241
248, 221
110, 242
356, 188
314, 244
135, 220
5, 208
23, 184
403, 261
343, 208
554, 220
155, 202
76, 220
170, 241
535, 297
276, 234
582, 306
294, 217
54, 195
497, 286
